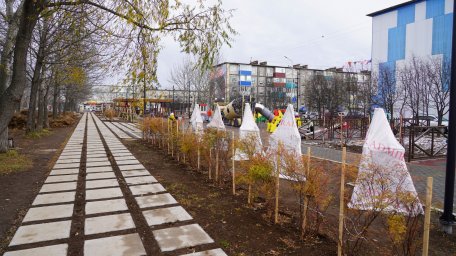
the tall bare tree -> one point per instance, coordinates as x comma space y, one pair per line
200, 30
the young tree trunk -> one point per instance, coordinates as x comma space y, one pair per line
55, 104
8, 44
36, 85
46, 110
40, 117
11, 97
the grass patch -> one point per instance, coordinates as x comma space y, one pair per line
38, 134
225, 244
12, 161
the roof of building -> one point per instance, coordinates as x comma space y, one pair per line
334, 69
393, 8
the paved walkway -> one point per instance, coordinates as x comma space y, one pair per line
93, 204
419, 170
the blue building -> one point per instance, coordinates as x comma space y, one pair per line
415, 28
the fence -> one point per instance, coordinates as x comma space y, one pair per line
426, 142
331, 128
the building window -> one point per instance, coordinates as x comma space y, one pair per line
254, 71
234, 79
261, 81
234, 69
269, 71
262, 71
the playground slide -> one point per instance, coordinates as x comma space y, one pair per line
260, 108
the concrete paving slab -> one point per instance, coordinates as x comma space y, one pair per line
215, 252
135, 173
121, 154
101, 183
155, 200
64, 171
109, 223
54, 198
124, 245
77, 146
146, 189
170, 239
97, 153
72, 150
120, 158
116, 152
58, 187
60, 249
70, 156
116, 146
140, 180
99, 169
61, 178
97, 159
97, 150
166, 215
100, 175
49, 212
41, 232
104, 193
64, 166
97, 164
131, 167
112, 205
67, 153
68, 161
63, 157
126, 162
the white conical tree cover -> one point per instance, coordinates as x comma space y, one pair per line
217, 121
248, 130
196, 120
383, 182
287, 132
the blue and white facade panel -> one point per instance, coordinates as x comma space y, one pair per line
419, 29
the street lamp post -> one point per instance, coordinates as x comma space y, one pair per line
447, 219
297, 81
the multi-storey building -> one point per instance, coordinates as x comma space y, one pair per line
273, 86
420, 29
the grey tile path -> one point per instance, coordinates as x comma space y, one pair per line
108, 223
112, 205
49, 212
41, 232
60, 249
135, 173
53, 187
140, 180
105, 209
171, 239
54, 198
215, 252
166, 215
61, 178
155, 200
103, 193
124, 245
64, 171
100, 175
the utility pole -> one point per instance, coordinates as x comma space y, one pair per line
173, 98
297, 81
189, 102
447, 220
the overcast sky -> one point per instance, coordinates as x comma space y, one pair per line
321, 34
